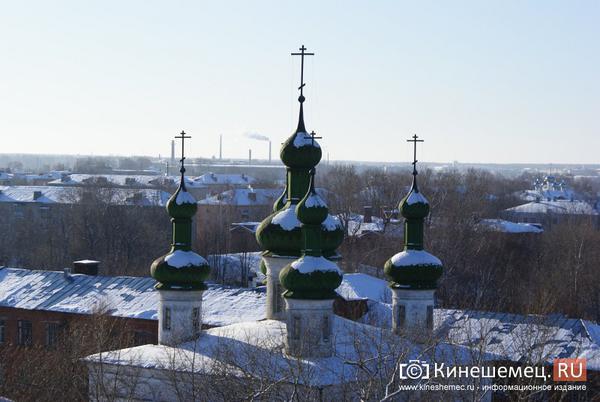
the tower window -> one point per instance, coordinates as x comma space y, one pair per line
430, 317
326, 329
196, 319
24, 334
401, 315
166, 319
296, 329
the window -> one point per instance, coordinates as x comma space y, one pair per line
52, 329
326, 329
196, 319
166, 319
2, 331
24, 334
430, 317
296, 329
401, 315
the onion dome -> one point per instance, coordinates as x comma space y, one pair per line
414, 268
312, 276
301, 150
181, 268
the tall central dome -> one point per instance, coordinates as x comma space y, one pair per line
279, 233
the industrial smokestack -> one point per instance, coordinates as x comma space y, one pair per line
249, 156
221, 147
172, 152
269, 152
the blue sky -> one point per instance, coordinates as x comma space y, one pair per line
480, 81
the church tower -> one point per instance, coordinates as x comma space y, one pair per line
413, 272
310, 284
280, 234
181, 272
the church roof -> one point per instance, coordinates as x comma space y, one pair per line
119, 296
256, 348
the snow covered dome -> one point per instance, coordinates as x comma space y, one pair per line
312, 276
414, 269
181, 268
414, 205
301, 150
182, 204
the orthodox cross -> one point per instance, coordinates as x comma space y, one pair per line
414, 141
313, 137
182, 137
302, 54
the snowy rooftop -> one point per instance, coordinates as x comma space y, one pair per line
120, 296
72, 195
500, 225
212, 179
256, 349
78, 179
512, 336
555, 207
243, 197
358, 227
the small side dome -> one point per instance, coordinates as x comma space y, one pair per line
300, 151
311, 278
414, 205
182, 204
180, 270
280, 233
332, 235
414, 269
312, 210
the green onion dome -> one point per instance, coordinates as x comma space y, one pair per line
181, 268
414, 268
300, 150
414, 205
332, 235
312, 276
280, 233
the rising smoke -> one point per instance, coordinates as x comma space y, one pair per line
256, 136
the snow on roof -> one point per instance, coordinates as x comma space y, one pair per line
409, 258
360, 286
256, 348
72, 195
358, 227
243, 197
500, 225
512, 337
120, 296
123, 180
555, 207
213, 179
